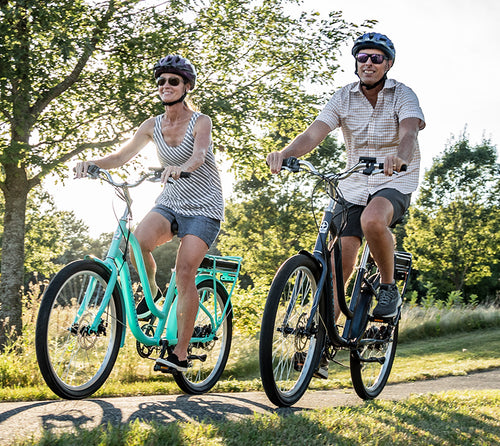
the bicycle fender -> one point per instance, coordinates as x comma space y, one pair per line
311, 256
117, 286
201, 277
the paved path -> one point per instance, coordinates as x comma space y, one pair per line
24, 419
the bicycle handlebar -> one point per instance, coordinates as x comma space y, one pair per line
367, 165
95, 172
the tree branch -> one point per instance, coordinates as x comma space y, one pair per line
56, 91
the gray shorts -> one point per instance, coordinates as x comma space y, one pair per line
400, 202
205, 228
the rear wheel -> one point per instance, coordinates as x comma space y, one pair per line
288, 354
208, 359
371, 363
77, 340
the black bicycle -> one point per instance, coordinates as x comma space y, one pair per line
299, 332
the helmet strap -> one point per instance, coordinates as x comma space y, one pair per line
376, 84
168, 104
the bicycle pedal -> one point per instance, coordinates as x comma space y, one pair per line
298, 360
201, 358
383, 320
164, 369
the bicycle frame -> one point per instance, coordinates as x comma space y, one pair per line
325, 284
322, 255
115, 262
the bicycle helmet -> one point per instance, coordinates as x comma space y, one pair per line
177, 65
375, 41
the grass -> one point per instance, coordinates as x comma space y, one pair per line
434, 343
445, 419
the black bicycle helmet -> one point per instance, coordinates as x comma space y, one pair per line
177, 65
375, 41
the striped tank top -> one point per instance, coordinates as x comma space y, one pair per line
201, 193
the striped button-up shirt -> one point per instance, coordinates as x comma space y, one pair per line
374, 132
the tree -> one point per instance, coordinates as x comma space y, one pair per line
75, 79
52, 237
453, 227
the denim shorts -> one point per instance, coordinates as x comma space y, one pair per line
400, 203
205, 228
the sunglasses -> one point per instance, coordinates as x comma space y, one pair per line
173, 81
377, 59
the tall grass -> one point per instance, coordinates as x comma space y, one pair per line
418, 322
19, 368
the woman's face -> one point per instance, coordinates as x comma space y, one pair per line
171, 87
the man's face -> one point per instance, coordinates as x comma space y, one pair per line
370, 72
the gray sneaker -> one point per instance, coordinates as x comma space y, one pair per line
322, 370
389, 300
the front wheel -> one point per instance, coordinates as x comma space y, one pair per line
288, 353
208, 359
78, 336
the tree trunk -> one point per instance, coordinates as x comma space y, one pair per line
15, 191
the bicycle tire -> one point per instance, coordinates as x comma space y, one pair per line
74, 360
202, 375
371, 362
287, 355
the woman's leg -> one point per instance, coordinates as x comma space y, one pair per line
154, 230
191, 252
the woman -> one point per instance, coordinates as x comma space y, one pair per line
195, 205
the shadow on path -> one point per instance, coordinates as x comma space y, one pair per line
26, 419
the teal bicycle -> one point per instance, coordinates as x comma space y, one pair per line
87, 306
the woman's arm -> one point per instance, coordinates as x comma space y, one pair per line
142, 136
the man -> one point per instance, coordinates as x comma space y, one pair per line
380, 118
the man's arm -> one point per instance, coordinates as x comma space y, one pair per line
302, 144
408, 132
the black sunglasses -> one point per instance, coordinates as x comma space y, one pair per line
377, 59
173, 81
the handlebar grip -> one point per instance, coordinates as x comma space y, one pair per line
159, 170
404, 167
93, 170
291, 163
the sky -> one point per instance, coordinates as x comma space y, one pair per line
442, 54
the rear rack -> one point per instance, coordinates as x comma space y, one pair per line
402, 264
228, 267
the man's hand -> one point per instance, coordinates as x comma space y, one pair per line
393, 163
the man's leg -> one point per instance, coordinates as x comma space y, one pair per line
375, 222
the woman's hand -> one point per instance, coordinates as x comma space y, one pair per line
81, 168
275, 161
171, 171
